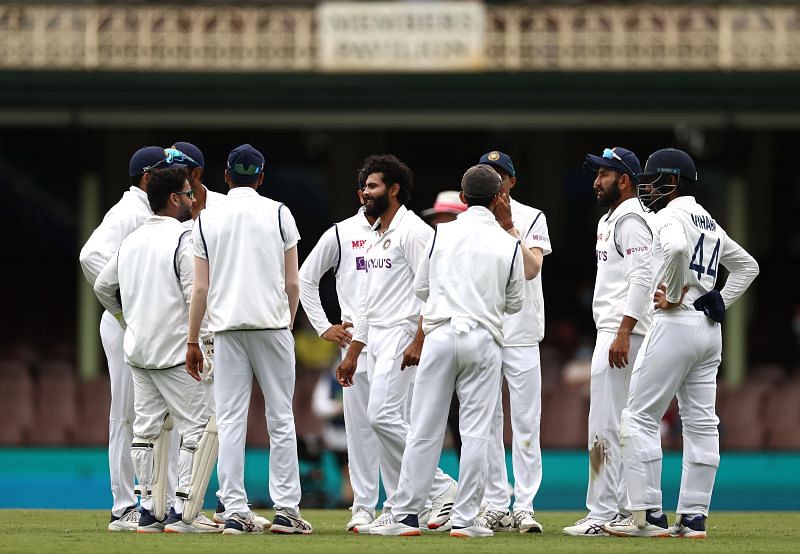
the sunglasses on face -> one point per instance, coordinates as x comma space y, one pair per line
189, 193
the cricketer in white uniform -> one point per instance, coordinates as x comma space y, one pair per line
682, 351
153, 274
622, 313
246, 276
121, 220
471, 275
522, 333
341, 249
388, 322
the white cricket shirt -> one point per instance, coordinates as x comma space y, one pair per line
153, 272
244, 240
692, 245
120, 221
526, 327
341, 249
625, 268
391, 263
473, 274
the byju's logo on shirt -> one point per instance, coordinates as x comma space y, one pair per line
361, 264
374, 263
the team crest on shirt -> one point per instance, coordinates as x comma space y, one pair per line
387, 243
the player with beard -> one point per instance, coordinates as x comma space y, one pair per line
622, 314
389, 322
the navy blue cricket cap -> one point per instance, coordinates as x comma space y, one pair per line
498, 160
192, 151
143, 159
245, 164
617, 158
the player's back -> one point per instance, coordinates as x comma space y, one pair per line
704, 241
244, 239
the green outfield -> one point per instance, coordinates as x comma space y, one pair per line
85, 532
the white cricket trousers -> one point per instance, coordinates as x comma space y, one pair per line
387, 410
120, 417
362, 444
606, 495
469, 363
159, 392
679, 357
269, 355
523, 374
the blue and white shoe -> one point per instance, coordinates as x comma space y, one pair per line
689, 526
239, 524
219, 516
200, 524
652, 523
128, 521
287, 523
148, 522
390, 527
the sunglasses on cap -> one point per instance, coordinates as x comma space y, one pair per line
609, 154
173, 156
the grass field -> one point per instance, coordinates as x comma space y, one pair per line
85, 532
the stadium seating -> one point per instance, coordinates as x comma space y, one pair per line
16, 409
55, 405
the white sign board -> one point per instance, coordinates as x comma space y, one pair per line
401, 36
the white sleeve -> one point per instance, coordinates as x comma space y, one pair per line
324, 257
104, 243
635, 241
198, 240
415, 246
742, 268
288, 228
537, 235
185, 267
106, 287
361, 329
422, 279
676, 256
515, 286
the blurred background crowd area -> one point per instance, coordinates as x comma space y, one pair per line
83, 84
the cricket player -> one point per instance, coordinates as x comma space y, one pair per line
153, 274
341, 249
120, 221
246, 275
622, 313
472, 274
681, 352
389, 322
522, 333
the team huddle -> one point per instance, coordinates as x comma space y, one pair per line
201, 291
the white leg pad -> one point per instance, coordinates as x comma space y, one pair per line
203, 462
161, 467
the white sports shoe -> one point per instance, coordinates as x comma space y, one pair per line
646, 526
239, 524
423, 519
525, 522
361, 516
219, 516
496, 520
380, 520
587, 527
389, 527
128, 521
287, 523
472, 532
200, 524
442, 506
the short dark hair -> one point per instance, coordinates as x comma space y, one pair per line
394, 171
479, 201
164, 182
135, 180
